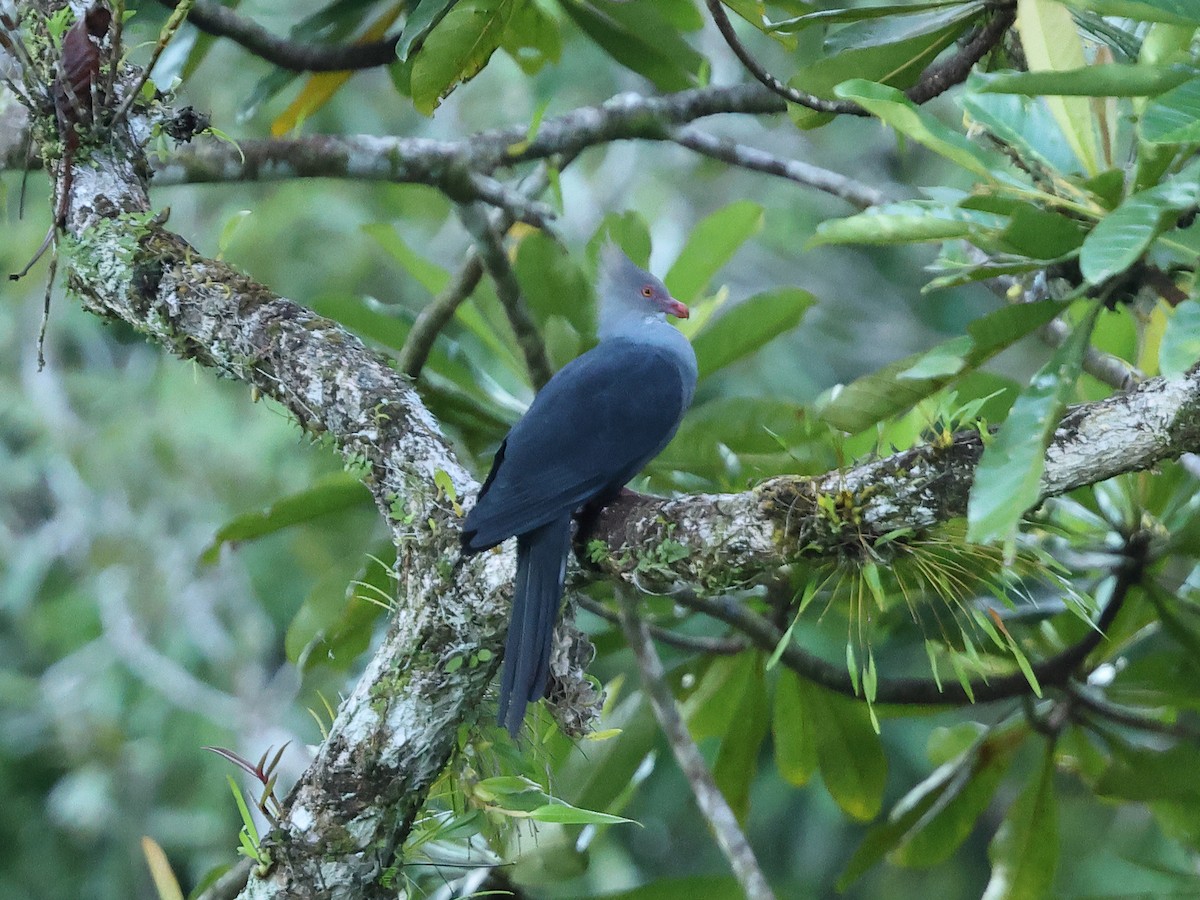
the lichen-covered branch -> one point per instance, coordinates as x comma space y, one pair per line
727, 539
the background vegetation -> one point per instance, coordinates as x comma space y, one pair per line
148, 608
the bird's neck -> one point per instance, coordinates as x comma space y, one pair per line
635, 325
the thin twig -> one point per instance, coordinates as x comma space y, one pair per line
433, 318
1130, 718
497, 193
164, 37
214, 19
787, 92
712, 803
491, 251
686, 642
935, 80
853, 192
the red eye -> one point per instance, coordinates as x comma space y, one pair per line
647, 291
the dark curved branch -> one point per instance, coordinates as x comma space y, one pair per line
217, 20
508, 291
934, 81
1054, 671
686, 642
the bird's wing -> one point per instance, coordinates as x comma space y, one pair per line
591, 429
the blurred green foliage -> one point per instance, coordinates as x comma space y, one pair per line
180, 566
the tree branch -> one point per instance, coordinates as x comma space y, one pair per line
708, 796
934, 81
215, 19
495, 261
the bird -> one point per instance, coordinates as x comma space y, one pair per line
592, 428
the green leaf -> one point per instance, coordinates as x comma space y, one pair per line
710, 246
909, 222
1008, 477
737, 758
1023, 123
1052, 43
896, 110
894, 388
793, 731
457, 48
858, 14
330, 494
532, 38
639, 38
552, 284
1173, 118
1174, 12
1041, 234
1121, 237
419, 23
898, 64
748, 326
876, 31
564, 814
1111, 80
853, 764
1180, 346
430, 276
944, 826
1024, 852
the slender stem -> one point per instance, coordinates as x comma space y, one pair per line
853, 192
712, 803
687, 642
215, 19
495, 262
434, 317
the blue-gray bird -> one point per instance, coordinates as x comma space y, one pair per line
594, 425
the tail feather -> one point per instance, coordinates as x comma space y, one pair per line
537, 592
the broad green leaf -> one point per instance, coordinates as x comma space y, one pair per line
419, 23
457, 48
884, 837
1121, 237
637, 36
898, 64
1111, 80
748, 326
858, 14
909, 222
1180, 347
429, 275
893, 389
943, 828
1147, 775
1174, 12
737, 758
552, 284
882, 30
1023, 123
1024, 852
793, 731
1052, 43
711, 708
330, 494
896, 110
1008, 477
532, 38
1173, 118
710, 246
853, 764
1041, 234
942, 361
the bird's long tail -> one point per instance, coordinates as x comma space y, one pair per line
541, 567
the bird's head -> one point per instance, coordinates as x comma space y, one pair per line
627, 289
